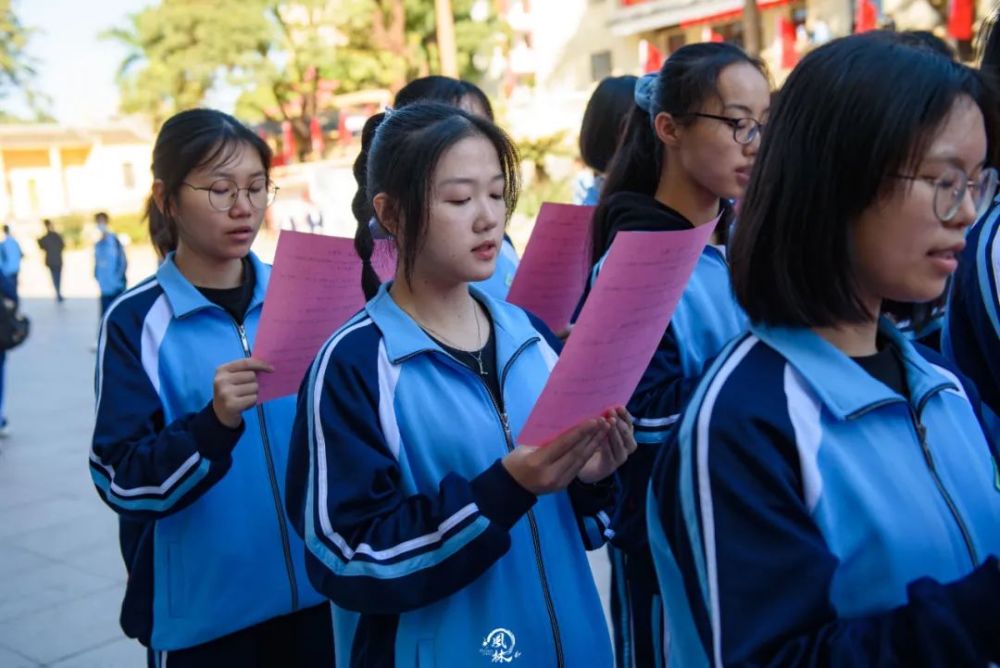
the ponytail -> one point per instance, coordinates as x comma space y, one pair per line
635, 167
687, 78
364, 212
162, 229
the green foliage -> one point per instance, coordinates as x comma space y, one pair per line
286, 60
536, 150
17, 68
534, 194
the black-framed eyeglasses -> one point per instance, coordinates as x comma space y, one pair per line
950, 188
745, 130
223, 193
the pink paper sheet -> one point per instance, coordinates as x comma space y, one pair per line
315, 288
553, 272
623, 320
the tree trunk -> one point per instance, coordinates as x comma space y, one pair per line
446, 38
753, 39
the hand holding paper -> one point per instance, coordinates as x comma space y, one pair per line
623, 320
552, 468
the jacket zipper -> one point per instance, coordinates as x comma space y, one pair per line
932, 467
921, 432
276, 492
532, 522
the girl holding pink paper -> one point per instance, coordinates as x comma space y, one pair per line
830, 497
181, 450
687, 152
440, 541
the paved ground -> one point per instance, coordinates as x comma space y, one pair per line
61, 575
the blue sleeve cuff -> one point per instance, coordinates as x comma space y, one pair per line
215, 440
499, 497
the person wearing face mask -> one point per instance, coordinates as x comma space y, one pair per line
687, 151
193, 466
110, 263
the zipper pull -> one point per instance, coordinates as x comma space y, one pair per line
243, 339
505, 421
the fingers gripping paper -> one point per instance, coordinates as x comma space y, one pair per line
315, 288
623, 320
553, 272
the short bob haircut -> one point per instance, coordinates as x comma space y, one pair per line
604, 120
188, 140
854, 112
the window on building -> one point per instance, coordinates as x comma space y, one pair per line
128, 175
600, 65
33, 196
675, 41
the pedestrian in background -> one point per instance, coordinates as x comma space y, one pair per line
52, 244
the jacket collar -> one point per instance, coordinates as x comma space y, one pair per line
185, 298
841, 384
404, 338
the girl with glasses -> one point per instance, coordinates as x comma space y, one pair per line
440, 540
181, 451
688, 148
829, 497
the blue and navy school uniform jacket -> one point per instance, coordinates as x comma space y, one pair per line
971, 337
707, 317
110, 264
498, 285
10, 256
432, 554
202, 524
806, 514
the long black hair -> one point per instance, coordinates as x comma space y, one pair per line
188, 140
399, 154
687, 79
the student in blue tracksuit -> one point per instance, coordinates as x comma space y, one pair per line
440, 540
829, 498
688, 148
10, 257
971, 336
110, 263
194, 470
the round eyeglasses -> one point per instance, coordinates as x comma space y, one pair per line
745, 130
950, 188
222, 194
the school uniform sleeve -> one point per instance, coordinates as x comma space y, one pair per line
757, 572
372, 546
972, 328
142, 467
593, 505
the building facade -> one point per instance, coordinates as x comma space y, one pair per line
49, 170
